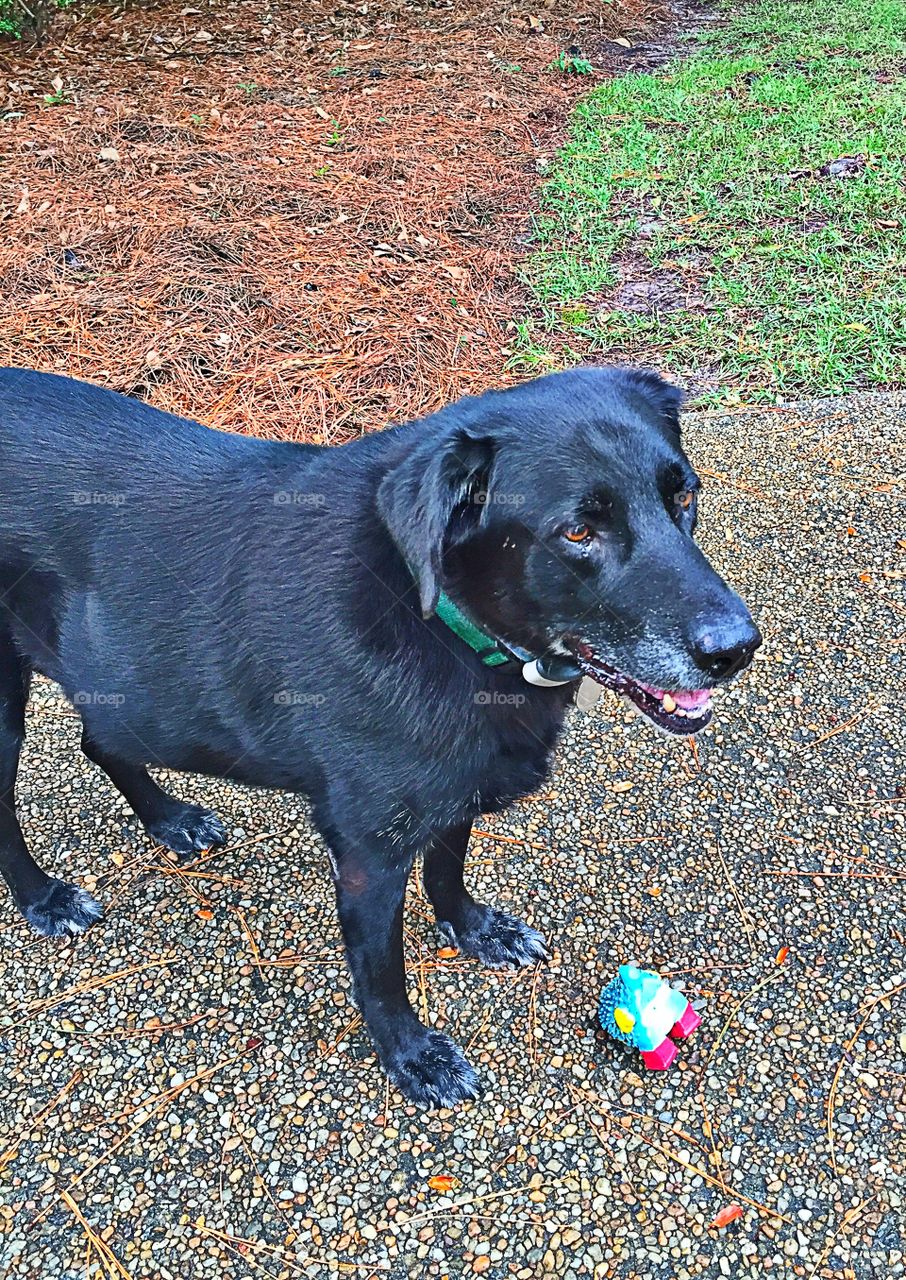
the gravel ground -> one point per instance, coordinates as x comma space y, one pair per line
188, 1086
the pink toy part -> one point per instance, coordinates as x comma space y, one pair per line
662, 1057
685, 1025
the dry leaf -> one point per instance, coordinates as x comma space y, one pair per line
729, 1213
57, 84
448, 953
781, 955
109, 153
535, 24
623, 42
203, 37
443, 1182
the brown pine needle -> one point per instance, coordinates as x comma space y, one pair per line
130, 1033
256, 952
743, 913
242, 1249
735, 484
842, 875
533, 1014
694, 1168
291, 1233
242, 844
282, 1254
847, 1049
153, 1106
176, 872
112, 1264
353, 1024
420, 966
90, 985
708, 1128
841, 728
10, 1154
848, 1217
492, 835
760, 986
464, 1204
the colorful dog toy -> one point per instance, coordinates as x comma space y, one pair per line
639, 1009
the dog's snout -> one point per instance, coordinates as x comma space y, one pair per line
723, 648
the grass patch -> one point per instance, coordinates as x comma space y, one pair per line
688, 222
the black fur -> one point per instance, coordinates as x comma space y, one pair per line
264, 612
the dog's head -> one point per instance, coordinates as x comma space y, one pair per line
560, 514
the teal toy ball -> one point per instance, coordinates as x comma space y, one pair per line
642, 1011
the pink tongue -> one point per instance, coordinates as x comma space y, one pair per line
688, 699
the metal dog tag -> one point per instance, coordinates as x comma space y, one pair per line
588, 693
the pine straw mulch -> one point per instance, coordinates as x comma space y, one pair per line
295, 221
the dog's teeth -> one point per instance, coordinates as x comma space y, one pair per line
669, 704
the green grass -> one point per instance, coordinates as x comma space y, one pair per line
797, 281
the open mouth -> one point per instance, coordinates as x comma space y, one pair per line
681, 711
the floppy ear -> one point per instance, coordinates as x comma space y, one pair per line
663, 396
418, 497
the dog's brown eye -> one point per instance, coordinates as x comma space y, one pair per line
684, 498
577, 533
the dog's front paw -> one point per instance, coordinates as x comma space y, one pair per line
433, 1070
64, 911
188, 831
496, 938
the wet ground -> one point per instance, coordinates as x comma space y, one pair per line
188, 1087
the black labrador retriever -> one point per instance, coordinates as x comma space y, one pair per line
394, 627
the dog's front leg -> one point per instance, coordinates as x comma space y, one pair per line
424, 1065
495, 937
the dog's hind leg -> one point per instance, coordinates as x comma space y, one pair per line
187, 829
497, 939
52, 907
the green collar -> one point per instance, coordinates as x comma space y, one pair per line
547, 671
486, 647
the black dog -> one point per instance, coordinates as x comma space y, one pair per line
268, 612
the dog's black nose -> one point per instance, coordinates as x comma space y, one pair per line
721, 649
